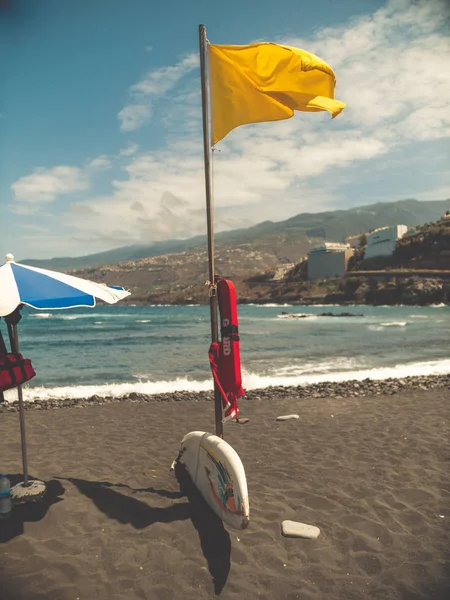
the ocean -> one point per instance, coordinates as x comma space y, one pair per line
115, 350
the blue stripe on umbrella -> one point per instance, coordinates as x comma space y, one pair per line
42, 291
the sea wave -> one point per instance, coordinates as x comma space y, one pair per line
75, 317
251, 381
298, 316
153, 305
355, 318
269, 305
325, 305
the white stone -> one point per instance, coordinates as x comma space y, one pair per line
287, 417
302, 530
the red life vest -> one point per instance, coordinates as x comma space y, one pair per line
14, 370
224, 356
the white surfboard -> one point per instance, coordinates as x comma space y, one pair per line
218, 473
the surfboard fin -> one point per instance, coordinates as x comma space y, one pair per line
176, 461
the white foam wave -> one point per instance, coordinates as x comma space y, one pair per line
143, 321
423, 369
250, 381
355, 318
325, 305
74, 317
317, 367
153, 305
395, 324
268, 305
293, 316
111, 389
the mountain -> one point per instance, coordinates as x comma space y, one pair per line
286, 240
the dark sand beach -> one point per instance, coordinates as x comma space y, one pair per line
371, 471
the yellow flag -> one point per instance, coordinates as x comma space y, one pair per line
266, 82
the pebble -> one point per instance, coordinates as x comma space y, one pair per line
343, 389
301, 530
287, 417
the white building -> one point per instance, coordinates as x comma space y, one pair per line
354, 241
382, 241
328, 260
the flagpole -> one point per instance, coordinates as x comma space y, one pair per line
209, 216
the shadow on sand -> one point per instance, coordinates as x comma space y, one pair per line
214, 539
126, 509
13, 526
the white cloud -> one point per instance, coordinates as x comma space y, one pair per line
391, 68
129, 150
154, 84
101, 163
44, 185
163, 194
133, 116
440, 193
391, 72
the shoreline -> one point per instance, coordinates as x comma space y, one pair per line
338, 390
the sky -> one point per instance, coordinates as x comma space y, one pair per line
100, 118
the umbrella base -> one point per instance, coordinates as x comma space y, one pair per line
33, 492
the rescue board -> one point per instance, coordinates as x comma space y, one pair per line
218, 473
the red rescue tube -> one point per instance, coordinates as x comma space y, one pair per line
225, 358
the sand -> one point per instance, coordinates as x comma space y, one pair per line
371, 472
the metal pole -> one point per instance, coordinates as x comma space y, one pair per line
209, 215
14, 340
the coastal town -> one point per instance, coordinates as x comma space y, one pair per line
393, 264
333, 260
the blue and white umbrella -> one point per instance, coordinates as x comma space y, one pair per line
44, 290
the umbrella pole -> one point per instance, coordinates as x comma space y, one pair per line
14, 341
209, 216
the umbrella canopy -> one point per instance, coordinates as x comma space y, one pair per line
43, 289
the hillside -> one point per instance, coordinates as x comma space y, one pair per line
289, 239
389, 280
427, 247
249, 257
180, 277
